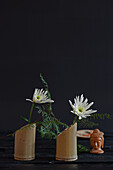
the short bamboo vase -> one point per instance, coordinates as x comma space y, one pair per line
66, 144
25, 143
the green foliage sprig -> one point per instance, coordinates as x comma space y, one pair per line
88, 123
82, 148
100, 116
50, 126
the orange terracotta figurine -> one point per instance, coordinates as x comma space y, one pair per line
97, 141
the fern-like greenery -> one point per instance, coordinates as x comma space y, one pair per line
50, 126
86, 123
82, 148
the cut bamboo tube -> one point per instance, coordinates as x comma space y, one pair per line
66, 144
25, 143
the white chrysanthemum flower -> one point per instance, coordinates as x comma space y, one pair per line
80, 107
40, 96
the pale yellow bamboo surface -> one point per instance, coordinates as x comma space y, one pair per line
25, 143
66, 144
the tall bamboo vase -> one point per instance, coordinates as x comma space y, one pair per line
25, 143
66, 144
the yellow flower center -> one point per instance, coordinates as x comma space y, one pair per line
80, 110
38, 97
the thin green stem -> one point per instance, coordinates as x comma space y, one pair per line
75, 119
32, 106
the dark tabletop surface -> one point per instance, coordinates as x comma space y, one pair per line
45, 156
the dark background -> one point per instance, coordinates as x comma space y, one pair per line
70, 42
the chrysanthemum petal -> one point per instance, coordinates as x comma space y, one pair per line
89, 105
84, 116
73, 107
81, 99
80, 118
90, 111
29, 100
47, 101
85, 102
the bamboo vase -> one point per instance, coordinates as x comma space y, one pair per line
66, 144
25, 143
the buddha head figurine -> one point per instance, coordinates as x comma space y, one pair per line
96, 141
